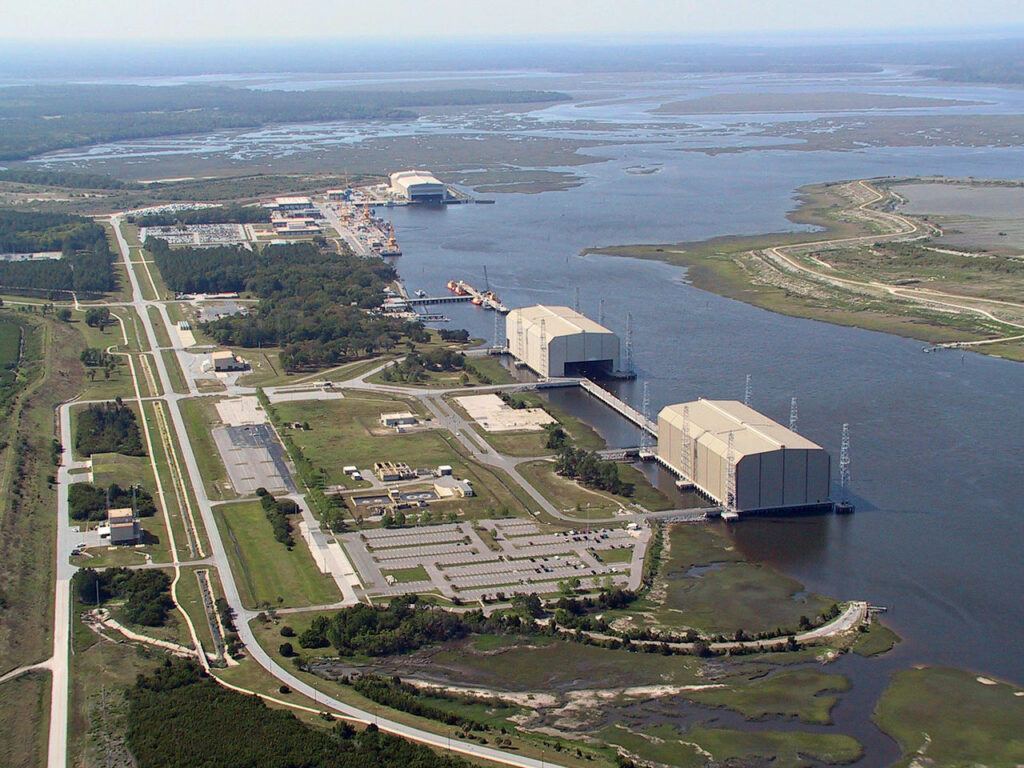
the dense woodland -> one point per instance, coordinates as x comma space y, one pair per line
108, 428
90, 114
66, 179
91, 502
222, 214
146, 593
177, 716
312, 303
86, 265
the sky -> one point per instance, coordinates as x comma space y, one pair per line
186, 20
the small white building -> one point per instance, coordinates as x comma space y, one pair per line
225, 360
448, 487
400, 419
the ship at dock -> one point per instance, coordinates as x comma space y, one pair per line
486, 299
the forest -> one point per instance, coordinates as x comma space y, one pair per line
86, 264
146, 593
66, 179
312, 302
177, 716
221, 214
92, 113
108, 428
91, 502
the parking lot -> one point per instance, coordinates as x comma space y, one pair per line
253, 458
518, 557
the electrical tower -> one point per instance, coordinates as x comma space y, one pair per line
686, 450
600, 312
645, 407
576, 300
730, 474
629, 342
544, 346
844, 460
747, 392
520, 337
793, 416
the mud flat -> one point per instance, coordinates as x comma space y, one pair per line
823, 101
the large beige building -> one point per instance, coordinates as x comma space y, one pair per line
558, 341
775, 467
418, 186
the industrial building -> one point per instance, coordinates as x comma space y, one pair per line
418, 187
774, 467
559, 341
225, 360
400, 419
124, 528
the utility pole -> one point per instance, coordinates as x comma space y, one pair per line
793, 416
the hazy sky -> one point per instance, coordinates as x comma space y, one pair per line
233, 19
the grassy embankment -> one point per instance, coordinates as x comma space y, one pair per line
48, 373
580, 501
952, 717
267, 572
200, 417
727, 266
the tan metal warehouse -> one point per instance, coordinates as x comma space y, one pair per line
559, 341
418, 186
775, 467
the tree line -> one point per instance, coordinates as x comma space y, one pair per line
177, 717
85, 264
591, 470
278, 511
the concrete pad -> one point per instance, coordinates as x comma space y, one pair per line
494, 415
239, 411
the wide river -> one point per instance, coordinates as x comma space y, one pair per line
937, 439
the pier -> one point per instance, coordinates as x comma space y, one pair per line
623, 408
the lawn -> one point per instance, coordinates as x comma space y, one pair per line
200, 416
408, 575
25, 713
267, 573
876, 640
945, 716
570, 496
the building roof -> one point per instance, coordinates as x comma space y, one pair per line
122, 515
711, 421
223, 354
398, 415
560, 321
293, 201
411, 178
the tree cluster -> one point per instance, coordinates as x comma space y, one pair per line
414, 367
591, 470
396, 694
278, 511
91, 502
108, 428
177, 718
146, 593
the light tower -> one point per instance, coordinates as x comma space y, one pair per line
629, 342
686, 450
645, 407
730, 474
844, 461
544, 347
747, 391
793, 416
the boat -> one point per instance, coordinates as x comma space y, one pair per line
421, 294
477, 300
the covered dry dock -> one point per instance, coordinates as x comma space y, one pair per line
559, 341
775, 467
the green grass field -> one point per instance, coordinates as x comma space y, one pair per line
10, 342
25, 714
407, 575
803, 694
876, 640
948, 717
267, 573
200, 417
575, 498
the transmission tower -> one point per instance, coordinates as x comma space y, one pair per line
844, 460
747, 391
576, 300
686, 450
629, 342
600, 312
730, 474
645, 407
793, 416
544, 346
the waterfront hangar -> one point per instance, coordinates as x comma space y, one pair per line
775, 468
559, 341
418, 187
